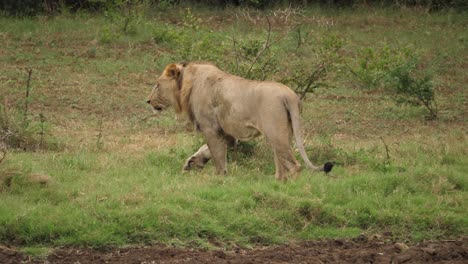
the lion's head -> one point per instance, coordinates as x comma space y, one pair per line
166, 92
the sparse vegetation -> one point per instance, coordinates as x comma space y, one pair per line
18, 128
306, 79
117, 179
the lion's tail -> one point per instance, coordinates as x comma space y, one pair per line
293, 108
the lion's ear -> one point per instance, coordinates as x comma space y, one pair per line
172, 71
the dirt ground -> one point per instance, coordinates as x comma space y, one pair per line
360, 250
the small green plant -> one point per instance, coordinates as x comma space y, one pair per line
207, 48
413, 88
190, 20
168, 36
108, 35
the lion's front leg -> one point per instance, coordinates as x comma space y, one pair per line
198, 159
218, 149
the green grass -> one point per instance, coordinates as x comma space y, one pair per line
130, 189
98, 199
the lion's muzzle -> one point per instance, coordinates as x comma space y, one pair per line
154, 107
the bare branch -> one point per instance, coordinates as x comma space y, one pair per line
267, 45
313, 78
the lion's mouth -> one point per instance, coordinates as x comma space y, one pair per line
158, 108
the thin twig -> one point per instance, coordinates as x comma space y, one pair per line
26, 101
428, 105
314, 77
42, 132
387, 151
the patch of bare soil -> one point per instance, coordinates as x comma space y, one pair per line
333, 251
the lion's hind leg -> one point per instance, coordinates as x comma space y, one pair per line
285, 163
278, 133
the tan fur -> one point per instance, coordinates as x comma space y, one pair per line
224, 106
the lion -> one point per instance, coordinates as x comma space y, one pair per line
226, 108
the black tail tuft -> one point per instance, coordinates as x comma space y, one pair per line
328, 166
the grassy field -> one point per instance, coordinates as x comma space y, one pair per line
108, 171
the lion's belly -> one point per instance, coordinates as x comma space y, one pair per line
246, 133
235, 120
240, 130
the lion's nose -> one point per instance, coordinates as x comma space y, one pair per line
148, 101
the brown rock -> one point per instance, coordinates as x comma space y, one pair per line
429, 250
401, 247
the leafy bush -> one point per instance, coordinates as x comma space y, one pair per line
396, 71
207, 47
412, 88
374, 64
108, 34
168, 36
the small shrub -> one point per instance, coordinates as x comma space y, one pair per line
412, 88
168, 36
108, 35
190, 20
206, 47
374, 64
396, 70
